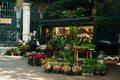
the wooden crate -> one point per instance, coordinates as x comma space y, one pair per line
110, 61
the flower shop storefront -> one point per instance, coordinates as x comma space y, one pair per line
61, 28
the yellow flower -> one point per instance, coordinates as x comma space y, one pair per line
46, 60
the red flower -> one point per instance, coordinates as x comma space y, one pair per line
30, 58
39, 56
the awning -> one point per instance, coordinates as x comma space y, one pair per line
73, 21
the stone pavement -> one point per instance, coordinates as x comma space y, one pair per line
16, 68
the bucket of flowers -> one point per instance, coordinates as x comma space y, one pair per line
75, 70
57, 68
36, 59
9, 52
47, 67
66, 69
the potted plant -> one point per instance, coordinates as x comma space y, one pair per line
47, 67
24, 48
103, 69
66, 69
75, 70
57, 68
8, 52
84, 70
87, 70
87, 45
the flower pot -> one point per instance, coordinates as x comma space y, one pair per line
84, 74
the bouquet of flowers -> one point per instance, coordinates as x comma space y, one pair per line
57, 68
47, 67
76, 70
44, 61
66, 69
36, 59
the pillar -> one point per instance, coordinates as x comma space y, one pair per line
26, 21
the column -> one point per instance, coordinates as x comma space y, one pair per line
26, 21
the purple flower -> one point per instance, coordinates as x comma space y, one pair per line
67, 47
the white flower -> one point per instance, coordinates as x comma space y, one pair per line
43, 47
66, 68
76, 69
56, 67
46, 66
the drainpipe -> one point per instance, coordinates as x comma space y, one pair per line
26, 21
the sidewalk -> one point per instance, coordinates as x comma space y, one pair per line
16, 68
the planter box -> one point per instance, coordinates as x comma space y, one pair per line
110, 61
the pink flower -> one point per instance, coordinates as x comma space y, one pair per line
83, 35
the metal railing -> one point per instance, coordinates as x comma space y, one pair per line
9, 31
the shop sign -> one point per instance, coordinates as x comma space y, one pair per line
5, 20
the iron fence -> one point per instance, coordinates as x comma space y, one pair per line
9, 32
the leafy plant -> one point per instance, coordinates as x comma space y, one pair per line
8, 52
72, 36
68, 56
88, 45
85, 68
91, 61
13, 51
60, 43
103, 67
24, 47
100, 67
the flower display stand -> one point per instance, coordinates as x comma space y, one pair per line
86, 51
110, 61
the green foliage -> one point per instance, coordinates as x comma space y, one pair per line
100, 67
93, 66
13, 51
67, 55
105, 23
103, 8
87, 45
69, 9
87, 68
24, 47
107, 15
91, 61
34, 62
103, 67
60, 43
72, 36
